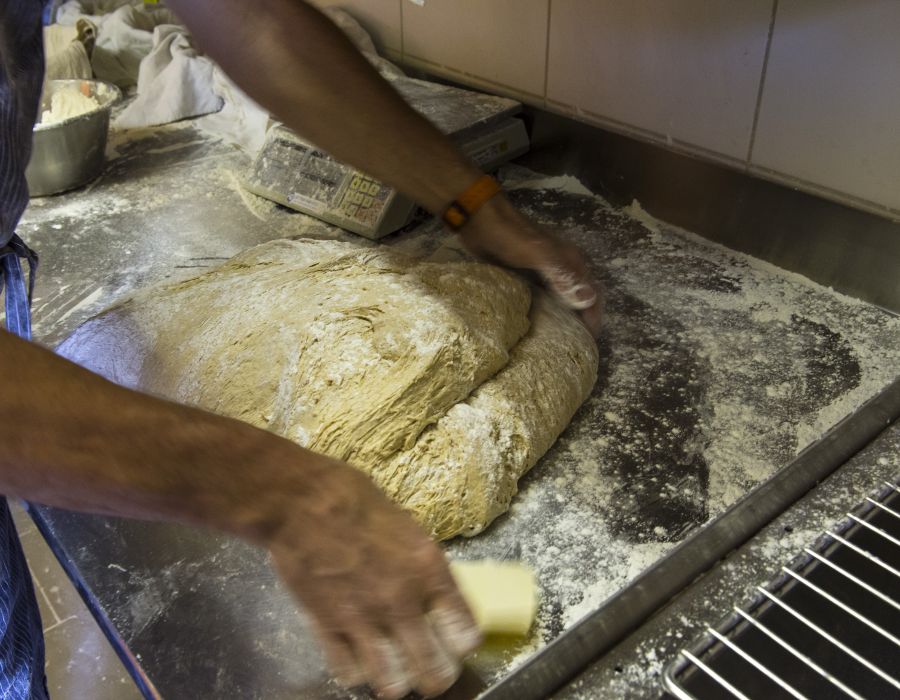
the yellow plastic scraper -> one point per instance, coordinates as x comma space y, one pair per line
502, 595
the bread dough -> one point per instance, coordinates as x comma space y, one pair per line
445, 382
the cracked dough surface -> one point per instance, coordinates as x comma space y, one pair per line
445, 382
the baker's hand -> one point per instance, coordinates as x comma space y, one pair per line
500, 232
379, 590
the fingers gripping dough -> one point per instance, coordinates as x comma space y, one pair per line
443, 381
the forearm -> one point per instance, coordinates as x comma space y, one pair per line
293, 61
74, 440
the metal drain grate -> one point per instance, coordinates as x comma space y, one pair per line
827, 627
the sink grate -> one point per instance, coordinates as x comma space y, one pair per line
827, 627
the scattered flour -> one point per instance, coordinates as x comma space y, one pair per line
88, 301
575, 521
719, 370
260, 207
565, 183
637, 212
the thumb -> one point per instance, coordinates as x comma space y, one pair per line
562, 267
573, 289
566, 275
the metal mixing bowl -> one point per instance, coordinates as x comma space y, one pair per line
70, 153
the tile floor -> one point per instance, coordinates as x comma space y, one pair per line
80, 661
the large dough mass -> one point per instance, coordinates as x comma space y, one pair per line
445, 382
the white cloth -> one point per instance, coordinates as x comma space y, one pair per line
243, 122
124, 35
69, 12
65, 57
174, 82
240, 121
148, 47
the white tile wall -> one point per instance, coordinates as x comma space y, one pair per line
687, 71
830, 110
498, 41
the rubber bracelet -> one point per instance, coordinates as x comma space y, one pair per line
463, 208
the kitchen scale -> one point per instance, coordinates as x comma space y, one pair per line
296, 174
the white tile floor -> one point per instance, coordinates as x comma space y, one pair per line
80, 661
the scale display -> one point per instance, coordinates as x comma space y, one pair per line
298, 175
302, 177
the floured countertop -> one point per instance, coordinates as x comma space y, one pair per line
634, 669
716, 370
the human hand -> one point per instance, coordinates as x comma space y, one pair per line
498, 231
381, 596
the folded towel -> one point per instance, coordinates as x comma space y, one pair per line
174, 82
65, 53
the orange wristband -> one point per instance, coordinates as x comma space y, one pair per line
464, 207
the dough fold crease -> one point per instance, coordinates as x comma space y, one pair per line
445, 382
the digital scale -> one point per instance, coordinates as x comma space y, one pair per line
296, 174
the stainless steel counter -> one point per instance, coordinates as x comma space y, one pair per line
716, 371
634, 668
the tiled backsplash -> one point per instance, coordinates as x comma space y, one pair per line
805, 92
499, 41
686, 72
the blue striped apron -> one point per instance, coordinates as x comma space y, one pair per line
21, 74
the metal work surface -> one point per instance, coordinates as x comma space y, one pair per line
630, 607
634, 668
853, 251
828, 623
716, 371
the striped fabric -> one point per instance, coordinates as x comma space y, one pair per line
21, 639
12, 278
21, 74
